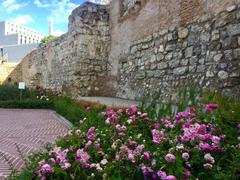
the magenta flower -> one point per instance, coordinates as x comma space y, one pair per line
162, 174
211, 107
82, 156
91, 134
215, 139
187, 174
88, 145
42, 162
157, 136
146, 155
47, 169
156, 125
133, 109
171, 177
170, 157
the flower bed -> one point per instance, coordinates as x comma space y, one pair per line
127, 144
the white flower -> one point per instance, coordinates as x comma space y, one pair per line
98, 167
104, 162
179, 147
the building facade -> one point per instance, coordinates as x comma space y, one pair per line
17, 41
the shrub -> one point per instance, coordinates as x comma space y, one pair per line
47, 39
27, 104
199, 142
11, 92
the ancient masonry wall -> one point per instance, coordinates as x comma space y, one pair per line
137, 46
5, 69
75, 63
197, 50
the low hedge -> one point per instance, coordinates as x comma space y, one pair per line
27, 104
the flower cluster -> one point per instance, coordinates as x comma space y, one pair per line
128, 138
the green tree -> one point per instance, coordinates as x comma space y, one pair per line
47, 39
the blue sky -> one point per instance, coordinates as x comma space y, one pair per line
35, 13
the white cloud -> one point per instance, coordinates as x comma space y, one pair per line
22, 19
43, 4
58, 32
11, 5
60, 9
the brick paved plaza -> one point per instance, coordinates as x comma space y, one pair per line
28, 130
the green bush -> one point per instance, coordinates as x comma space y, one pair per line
27, 104
47, 39
123, 130
11, 92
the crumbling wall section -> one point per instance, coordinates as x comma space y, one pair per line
76, 62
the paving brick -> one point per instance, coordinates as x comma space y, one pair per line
29, 130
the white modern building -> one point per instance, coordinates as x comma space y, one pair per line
17, 41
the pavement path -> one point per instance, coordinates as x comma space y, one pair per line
111, 101
28, 131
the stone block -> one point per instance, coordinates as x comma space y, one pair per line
209, 74
231, 8
189, 52
217, 57
201, 68
215, 35
174, 63
234, 29
180, 70
205, 37
162, 65
223, 75
183, 33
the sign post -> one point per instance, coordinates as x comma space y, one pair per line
21, 86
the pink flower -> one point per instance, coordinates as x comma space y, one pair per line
66, 166
42, 162
104, 162
82, 156
162, 174
211, 107
185, 156
117, 156
207, 166
157, 136
47, 169
133, 109
146, 155
202, 128
153, 162
88, 144
147, 171
156, 125
215, 139
208, 157
171, 177
88, 109
107, 121
170, 157
51, 161
186, 174
91, 134
120, 128
139, 149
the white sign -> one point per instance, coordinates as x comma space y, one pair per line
21, 85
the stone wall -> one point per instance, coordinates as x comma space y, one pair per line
134, 46
75, 63
203, 53
5, 69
